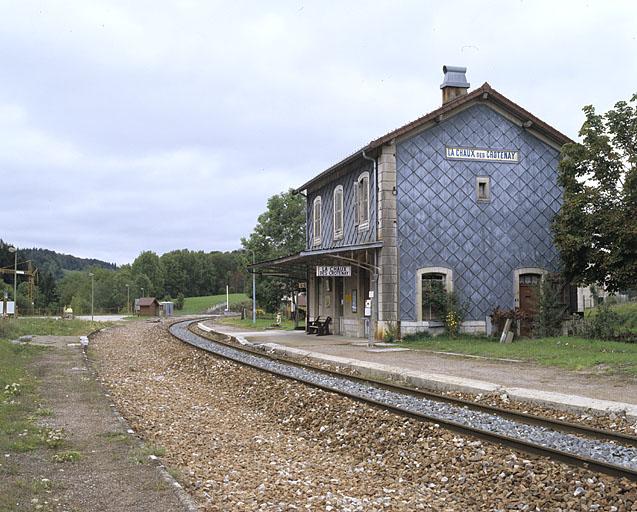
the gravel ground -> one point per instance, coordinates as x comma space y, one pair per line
245, 440
603, 451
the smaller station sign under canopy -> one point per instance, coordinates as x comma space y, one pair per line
333, 271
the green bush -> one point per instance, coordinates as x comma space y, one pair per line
392, 332
455, 313
604, 325
417, 336
550, 310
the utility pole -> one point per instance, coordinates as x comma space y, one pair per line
14, 250
92, 276
254, 292
128, 299
373, 314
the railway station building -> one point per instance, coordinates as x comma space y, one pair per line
461, 198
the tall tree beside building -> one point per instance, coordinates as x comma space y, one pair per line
596, 228
148, 264
280, 231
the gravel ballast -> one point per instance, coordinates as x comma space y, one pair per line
540, 436
245, 440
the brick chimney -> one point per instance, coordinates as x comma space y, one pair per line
454, 84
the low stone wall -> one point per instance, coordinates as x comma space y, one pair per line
436, 328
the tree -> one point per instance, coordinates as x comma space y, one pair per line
550, 311
47, 296
74, 285
148, 264
280, 231
596, 227
175, 272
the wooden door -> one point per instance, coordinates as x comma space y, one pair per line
529, 285
338, 307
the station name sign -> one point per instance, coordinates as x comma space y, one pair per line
333, 271
483, 155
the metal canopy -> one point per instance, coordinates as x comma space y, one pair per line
296, 266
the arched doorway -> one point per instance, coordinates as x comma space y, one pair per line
526, 287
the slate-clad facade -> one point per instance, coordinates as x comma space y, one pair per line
352, 235
442, 224
461, 198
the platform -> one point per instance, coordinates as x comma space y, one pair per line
566, 390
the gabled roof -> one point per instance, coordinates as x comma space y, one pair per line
147, 301
484, 93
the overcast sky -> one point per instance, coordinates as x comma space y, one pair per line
135, 125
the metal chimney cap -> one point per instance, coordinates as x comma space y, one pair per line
454, 77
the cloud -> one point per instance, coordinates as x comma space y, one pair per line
131, 126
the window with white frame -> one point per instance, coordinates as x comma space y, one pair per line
316, 220
361, 196
338, 212
357, 220
483, 189
433, 296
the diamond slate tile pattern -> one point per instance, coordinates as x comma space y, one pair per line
351, 234
440, 223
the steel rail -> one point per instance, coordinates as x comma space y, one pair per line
522, 417
501, 439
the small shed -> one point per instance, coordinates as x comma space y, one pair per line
147, 306
167, 308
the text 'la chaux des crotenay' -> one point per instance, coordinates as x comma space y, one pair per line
482, 154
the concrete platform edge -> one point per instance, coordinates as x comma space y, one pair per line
440, 382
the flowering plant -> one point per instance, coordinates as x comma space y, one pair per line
12, 389
452, 322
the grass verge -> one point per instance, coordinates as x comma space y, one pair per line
18, 399
564, 352
196, 305
627, 315
14, 328
141, 455
19, 407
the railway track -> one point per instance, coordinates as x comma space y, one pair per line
598, 450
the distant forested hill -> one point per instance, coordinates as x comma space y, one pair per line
51, 261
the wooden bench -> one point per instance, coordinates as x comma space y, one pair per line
313, 325
319, 328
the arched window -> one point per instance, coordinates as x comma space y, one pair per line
361, 201
316, 218
432, 286
338, 212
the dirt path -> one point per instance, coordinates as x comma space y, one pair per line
98, 466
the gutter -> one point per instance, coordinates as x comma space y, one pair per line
372, 160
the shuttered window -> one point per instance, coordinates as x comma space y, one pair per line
338, 212
316, 217
356, 210
363, 200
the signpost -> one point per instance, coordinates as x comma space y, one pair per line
511, 156
333, 271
